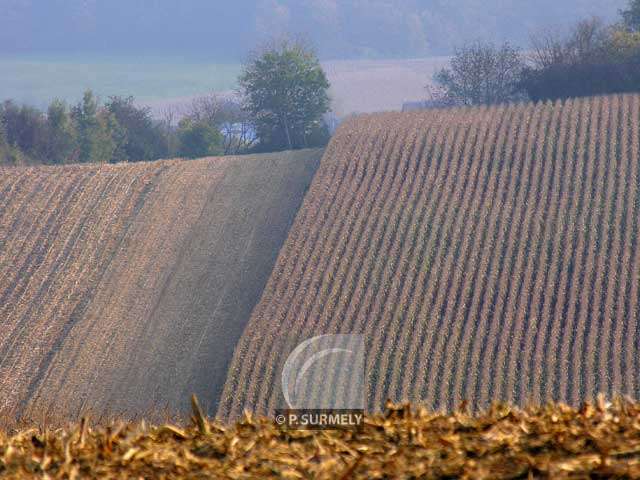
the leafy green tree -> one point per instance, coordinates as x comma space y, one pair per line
198, 139
25, 130
85, 116
624, 45
61, 144
9, 155
481, 74
101, 138
144, 138
4, 145
116, 132
111, 139
286, 92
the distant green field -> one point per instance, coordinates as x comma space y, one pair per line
38, 80
356, 85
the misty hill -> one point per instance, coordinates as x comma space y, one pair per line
227, 30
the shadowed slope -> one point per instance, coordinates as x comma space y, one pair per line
486, 254
125, 288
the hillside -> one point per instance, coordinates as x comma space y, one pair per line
124, 288
486, 254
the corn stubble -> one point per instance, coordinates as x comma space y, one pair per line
599, 440
486, 254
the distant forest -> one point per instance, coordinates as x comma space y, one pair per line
224, 30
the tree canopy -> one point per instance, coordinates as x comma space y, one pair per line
286, 92
198, 139
631, 16
144, 137
481, 74
593, 58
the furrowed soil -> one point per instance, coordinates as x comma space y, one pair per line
124, 288
485, 254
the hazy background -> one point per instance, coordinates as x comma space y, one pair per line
169, 50
225, 30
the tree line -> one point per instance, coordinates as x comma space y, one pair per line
282, 97
593, 58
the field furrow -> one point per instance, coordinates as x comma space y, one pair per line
483, 254
110, 276
461, 150
606, 312
500, 230
410, 253
441, 174
630, 151
542, 261
621, 257
296, 290
525, 321
348, 237
565, 317
586, 252
503, 266
494, 364
360, 182
632, 295
468, 252
555, 257
318, 201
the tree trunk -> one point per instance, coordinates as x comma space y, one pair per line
286, 131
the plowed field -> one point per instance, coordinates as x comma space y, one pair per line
124, 288
485, 254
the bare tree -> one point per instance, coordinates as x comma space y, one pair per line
547, 49
480, 73
168, 118
237, 129
168, 115
587, 42
206, 109
226, 114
